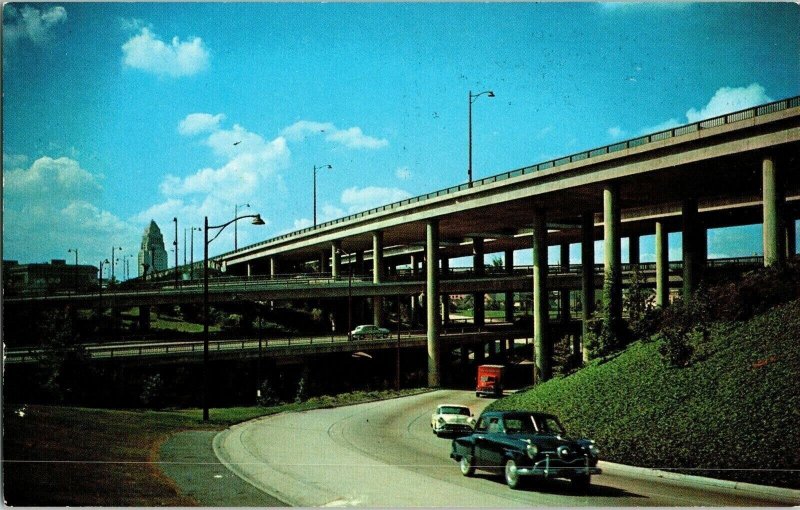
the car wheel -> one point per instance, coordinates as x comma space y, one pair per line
512, 477
466, 466
582, 482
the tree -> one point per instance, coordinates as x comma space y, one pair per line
64, 366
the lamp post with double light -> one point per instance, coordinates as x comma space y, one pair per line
472, 99
315, 189
113, 248
256, 221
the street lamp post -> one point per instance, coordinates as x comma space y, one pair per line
127, 258
315, 189
112, 261
76, 266
235, 229
256, 221
100, 290
472, 99
191, 256
175, 244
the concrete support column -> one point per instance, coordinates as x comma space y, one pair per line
564, 293
412, 311
633, 250
359, 267
323, 262
479, 316
509, 305
691, 247
464, 354
273, 267
587, 275
612, 252
480, 353
336, 259
774, 236
662, 265
144, 318
445, 297
542, 348
377, 276
432, 295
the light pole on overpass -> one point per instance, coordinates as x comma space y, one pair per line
472, 99
256, 221
315, 189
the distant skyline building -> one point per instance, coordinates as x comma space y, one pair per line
153, 252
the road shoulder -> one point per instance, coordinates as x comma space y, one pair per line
188, 458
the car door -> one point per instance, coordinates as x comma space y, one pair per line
487, 446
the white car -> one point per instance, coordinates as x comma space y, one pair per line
452, 419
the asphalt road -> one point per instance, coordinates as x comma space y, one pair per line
384, 454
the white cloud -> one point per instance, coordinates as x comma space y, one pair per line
730, 99
147, 52
50, 178
301, 129
403, 173
360, 199
51, 206
29, 23
196, 123
352, 138
725, 100
248, 168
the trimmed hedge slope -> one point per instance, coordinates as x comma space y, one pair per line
733, 413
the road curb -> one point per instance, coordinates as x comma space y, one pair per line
791, 496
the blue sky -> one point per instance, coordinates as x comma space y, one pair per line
116, 114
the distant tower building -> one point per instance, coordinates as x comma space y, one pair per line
152, 253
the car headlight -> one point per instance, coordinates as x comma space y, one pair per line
532, 450
441, 420
594, 450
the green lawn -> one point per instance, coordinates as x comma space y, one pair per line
737, 406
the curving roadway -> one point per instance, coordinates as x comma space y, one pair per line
384, 454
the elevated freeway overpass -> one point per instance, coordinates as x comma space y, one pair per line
736, 169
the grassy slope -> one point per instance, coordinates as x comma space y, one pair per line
733, 413
59, 456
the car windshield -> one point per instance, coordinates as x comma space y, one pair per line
454, 410
532, 424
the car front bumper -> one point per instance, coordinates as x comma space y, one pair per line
455, 428
549, 468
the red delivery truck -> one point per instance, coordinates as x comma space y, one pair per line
490, 380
